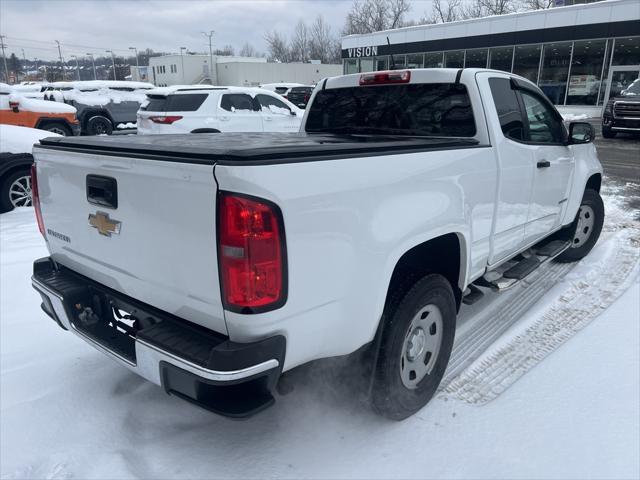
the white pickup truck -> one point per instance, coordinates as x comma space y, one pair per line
212, 263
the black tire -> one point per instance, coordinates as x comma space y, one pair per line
390, 397
99, 125
56, 127
6, 204
593, 201
608, 133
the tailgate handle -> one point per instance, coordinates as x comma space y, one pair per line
102, 191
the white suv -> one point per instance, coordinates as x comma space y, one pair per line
209, 109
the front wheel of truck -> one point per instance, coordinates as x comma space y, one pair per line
417, 332
588, 225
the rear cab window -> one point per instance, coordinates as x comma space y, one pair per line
424, 109
188, 102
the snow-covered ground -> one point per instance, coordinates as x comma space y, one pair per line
544, 383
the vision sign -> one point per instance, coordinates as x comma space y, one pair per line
358, 52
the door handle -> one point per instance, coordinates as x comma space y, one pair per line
544, 164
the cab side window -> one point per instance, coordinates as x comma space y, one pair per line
232, 102
544, 124
271, 104
508, 108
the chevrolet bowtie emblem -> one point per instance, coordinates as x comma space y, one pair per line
104, 224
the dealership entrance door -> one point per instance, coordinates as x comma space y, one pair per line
619, 79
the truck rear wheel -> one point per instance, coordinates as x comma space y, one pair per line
417, 332
588, 223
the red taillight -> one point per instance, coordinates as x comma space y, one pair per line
383, 78
165, 119
35, 198
251, 253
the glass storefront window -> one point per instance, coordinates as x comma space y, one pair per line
351, 66
381, 63
605, 72
415, 60
627, 51
526, 61
586, 68
555, 70
500, 58
433, 60
397, 62
476, 58
454, 59
366, 64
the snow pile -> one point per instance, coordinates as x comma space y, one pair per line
40, 106
124, 126
101, 97
573, 117
15, 139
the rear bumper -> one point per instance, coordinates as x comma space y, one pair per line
198, 365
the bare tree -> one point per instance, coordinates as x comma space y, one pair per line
248, 50
485, 8
322, 41
278, 48
444, 11
368, 16
300, 43
226, 50
537, 4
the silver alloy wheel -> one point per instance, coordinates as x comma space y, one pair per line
421, 346
58, 130
586, 221
20, 192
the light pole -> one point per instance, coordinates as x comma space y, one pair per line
182, 49
77, 66
24, 58
137, 62
210, 35
4, 57
61, 62
113, 62
93, 63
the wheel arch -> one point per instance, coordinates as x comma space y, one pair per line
594, 182
86, 114
445, 254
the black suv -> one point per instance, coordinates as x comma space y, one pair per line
622, 113
300, 96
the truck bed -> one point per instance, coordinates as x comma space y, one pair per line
253, 148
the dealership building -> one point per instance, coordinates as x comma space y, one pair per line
578, 55
236, 71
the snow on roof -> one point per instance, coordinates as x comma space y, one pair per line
98, 84
15, 139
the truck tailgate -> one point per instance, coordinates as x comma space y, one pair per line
163, 250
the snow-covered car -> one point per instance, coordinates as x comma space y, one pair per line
208, 109
103, 105
211, 264
16, 109
16, 144
281, 89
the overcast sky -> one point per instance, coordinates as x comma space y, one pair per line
84, 26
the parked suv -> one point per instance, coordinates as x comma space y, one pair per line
300, 96
282, 89
103, 106
207, 109
16, 109
622, 113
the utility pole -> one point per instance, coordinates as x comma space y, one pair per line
210, 35
93, 62
182, 62
24, 58
61, 62
137, 62
77, 66
113, 61
4, 57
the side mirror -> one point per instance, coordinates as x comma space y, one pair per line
580, 132
13, 105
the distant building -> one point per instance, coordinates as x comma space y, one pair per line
230, 71
578, 55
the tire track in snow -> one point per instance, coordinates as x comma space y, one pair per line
583, 300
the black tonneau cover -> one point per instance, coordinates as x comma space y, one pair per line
252, 148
